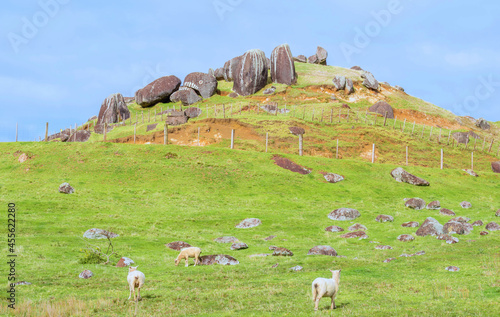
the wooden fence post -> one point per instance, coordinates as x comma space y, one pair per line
198, 136
46, 132
472, 160
373, 153
440, 130
491, 145
322, 113
404, 126
374, 119
300, 144
395, 119
232, 139
166, 133
413, 130
467, 142
267, 140
385, 118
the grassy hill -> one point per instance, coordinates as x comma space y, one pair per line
153, 194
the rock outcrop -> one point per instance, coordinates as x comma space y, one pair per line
251, 73
113, 109
402, 176
415, 203
322, 250
157, 91
282, 66
204, 84
430, 227
369, 81
186, 95
230, 68
382, 108
495, 167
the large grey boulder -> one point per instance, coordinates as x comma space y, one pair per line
204, 84
185, 95
430, 227
230, 68
322, 55
157, 91
457, 227
113, 110
282, 66
251, 73
222, 259
249, 223
300, 59
79, 136
402, 176
344, 214
382, 108
66, 188
415, 203
483, 124
495, 167
349, 86
339, 82
322, 250
369, 81
219, 73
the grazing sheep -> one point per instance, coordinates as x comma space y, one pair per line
135, 279
323, 287
187, 253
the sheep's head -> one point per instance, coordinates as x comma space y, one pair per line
176, 261
335, 274
132, 268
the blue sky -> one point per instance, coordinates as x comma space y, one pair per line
61, 58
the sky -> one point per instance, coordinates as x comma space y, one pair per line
60, 59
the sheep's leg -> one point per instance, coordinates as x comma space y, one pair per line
196, 260
316, 302
139, 294
130, 289
333, 303
187, 263
134, 295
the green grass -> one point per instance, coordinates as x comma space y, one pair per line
154, 194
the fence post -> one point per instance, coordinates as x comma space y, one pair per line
404, 126
491, 145
105, 128
472, 161
373, 153
16, 130
198, 136
267, 140
232, 139
440, 130
340, 113
337, 153
312, 119
423, 128
135, 128
46, 132
442, 158
304, 112
413, 130
467, 142
300, 144
395, 119
165, 134
322, 113
385, 118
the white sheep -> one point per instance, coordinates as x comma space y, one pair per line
323, 287
135, 279
186, 253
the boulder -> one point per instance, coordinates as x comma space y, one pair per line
321, 55
270, 238
204, 84
402, 176
334, 229
86, 274
211, 72
492, 226
239, 246
151, 127
113, 110
446, 237
430, 227
221, 259
406, 237
382, 107
95, 233
175, 120
178, 245
282, 252
227, 239
497, 213
313, 59
356, 68
275, 265
249, 223
343, 214
66, 188
383, 247
434, 205
460, 219
471, 172
410, 224
399, 88
233, 95
192, 112
230, 68
446, 212
457, 227
282, 66
300, 59
251, 73
124, 262
269, 91
22, 283
322, 250
483, 124
389, 260
357, 227
452, 269
415, 203
333, 178
464, 137
495, 167
355, 234
185, 95
157, 91
79, 136
384, 218
64, 135
297, 131
339, 82
369, 81
219, 73
465, 204
483, 233
477, 223
297, 268
22, 158
349, 86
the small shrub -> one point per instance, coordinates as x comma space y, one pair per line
91, 257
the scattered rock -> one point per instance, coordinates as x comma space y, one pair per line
483, 124
383, 247
297, 268
239, 246
272, 247
369, 80
410, 224
356, 68
406, 237
415, 203
334, 229
113, 110
389, 260
157, 91
357, 227
333, 178
464, 137
300, 59
297, 131
178, 245
457, 227
230, 68
282, 66
219, 73
233, 95
471, 172
495, 166
282, 252
430, 227
22, 283
349, 86
460, 219
185, 95
269, 238
483, 233
251, 73
477, 223
399, 88
175, 120
289, 165
382, 107
124, 262
322, 250
65, 134
192, 112
497, 214
355, 234
86, 274
322, 55
446, 212
452, 269
449, 239
402, 176
434, 205
313, 59
249, 223
221, 259
339, 82
492, 226
343, 214
269, 91
384, 218
95, 233
227, 239
465, 204
23, 158
151, 127
204, 84
275, 265
66, 188
79, 136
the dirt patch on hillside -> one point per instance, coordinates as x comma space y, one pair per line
289, 165
421, 118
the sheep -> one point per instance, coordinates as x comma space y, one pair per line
186, 253
135, 279
323, 287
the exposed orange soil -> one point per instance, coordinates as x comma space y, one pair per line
422, 118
